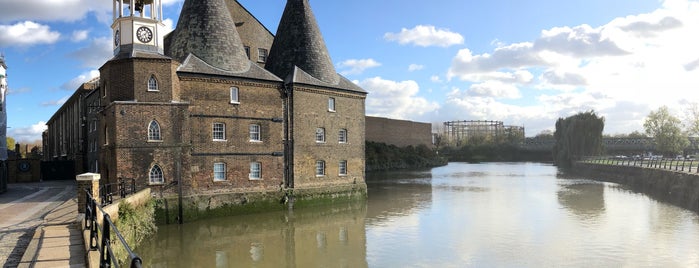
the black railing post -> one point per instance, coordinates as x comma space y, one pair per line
105, 258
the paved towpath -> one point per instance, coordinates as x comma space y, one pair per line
26, 206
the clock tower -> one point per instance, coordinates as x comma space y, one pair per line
138, 26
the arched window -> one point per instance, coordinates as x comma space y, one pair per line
152, 83
156, 175
154, 131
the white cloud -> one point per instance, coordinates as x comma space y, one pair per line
354, 66
27, 33
95, 54
28, 133
76, 82
495, 89
169, 26
415, 67
622, 70
80, 35
436, 79
58, 102
395, 99
44, 10
426, 36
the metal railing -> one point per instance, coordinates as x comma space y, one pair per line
104, 245
683, 165
122, 190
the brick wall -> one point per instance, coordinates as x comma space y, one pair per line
311, 112
400, 133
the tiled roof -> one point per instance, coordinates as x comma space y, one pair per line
299, 43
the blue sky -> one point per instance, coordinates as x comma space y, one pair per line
525, 63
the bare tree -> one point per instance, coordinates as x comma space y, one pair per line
691, 118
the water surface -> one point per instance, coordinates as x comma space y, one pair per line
461, 215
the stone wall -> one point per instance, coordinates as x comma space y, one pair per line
675, 187
400, 133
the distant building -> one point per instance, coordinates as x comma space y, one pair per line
220, 105
400, 133
3, 125
478, 131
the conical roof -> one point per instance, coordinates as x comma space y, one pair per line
206, 30
299, 43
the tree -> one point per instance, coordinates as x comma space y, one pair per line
666, 131
577, 136
10, 143
692, 118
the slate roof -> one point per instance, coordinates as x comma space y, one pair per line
206, 41
299, 43
299, 76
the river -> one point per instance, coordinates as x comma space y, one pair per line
460, 215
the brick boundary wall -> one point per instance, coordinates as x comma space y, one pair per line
400, 133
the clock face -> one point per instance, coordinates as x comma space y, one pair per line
117, 38
144, 34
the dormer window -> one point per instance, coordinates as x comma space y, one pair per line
261, 55
152, 83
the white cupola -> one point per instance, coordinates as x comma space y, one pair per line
138, 26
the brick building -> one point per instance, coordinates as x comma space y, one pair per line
400, 133
219, 104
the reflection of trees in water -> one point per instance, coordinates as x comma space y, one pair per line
397, 193
328, 236
584, 199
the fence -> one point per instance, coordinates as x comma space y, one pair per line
104, 245
684, 165
122, 190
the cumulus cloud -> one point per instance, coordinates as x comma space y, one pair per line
395, 99
80, 35
95, 54
51, 10
27, 33
426, 36
354, 66
27, 134
495, 89
76, 82
415, 67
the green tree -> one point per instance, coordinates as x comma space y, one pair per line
666, 130
576, 137
10, 143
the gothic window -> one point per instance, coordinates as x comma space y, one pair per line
255, 171
156, 175
342, 136
255, 133
219, 171
219, 131
320, 168
320, 135
234, 95
154, 131
152, 83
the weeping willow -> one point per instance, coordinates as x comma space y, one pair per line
576, 137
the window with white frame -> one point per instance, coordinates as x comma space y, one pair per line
331, 104
152, 83
342, 136
320, 135
255, 133
219, 131
255, 171
156, 175
261, 55
234, 95
219, 171
154, 131
343, 168
320, 168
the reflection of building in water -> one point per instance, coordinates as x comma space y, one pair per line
464, 132
398, 193
585, 200
314, 237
